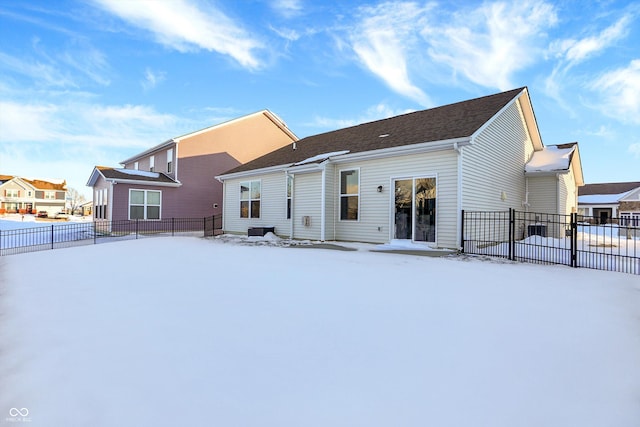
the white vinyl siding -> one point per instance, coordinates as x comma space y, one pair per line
543, 194
331, 201
375, 222
272, 205
307, 203
568, 193
495, 164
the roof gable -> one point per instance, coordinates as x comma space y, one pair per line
280, 124
448, 122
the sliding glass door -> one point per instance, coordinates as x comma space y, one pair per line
415, 209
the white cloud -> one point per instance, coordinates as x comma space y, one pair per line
375, 112
620, 93
382, 41
491, 43
182, 25
575, 51
152, 79
41, 73
572, 52
287, 8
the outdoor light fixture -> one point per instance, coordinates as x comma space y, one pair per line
379, 188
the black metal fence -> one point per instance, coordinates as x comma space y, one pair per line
57, 236
576, 241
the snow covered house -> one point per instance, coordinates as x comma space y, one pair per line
32, 195
176, 178
605, 201
406, 177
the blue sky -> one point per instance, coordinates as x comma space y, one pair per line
85, 83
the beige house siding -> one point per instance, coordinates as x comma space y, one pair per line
273, 204
568, 193
376, 209
493, 167
307, 203
543, 194
332, 182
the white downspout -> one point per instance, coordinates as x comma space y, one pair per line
459, 210
323, 203
558, 193
526, 195
293, 186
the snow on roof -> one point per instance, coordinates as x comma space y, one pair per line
320, 157
601, 198
139, 173
550, 159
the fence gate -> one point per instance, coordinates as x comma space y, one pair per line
573, 240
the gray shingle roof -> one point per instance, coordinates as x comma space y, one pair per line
451, 121
607, 188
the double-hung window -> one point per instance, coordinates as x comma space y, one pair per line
349, 194
144, 204
152, 163
170, 160
289, 192
250, 199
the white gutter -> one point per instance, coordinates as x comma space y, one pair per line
423, 147
152, 183
323, 202
253, 172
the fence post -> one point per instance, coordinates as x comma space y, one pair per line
136, 228
512, 222
461, 232
95, 233
52, 236
574, 239
172, 226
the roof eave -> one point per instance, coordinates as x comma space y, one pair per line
141, 182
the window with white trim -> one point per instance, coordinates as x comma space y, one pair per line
349, 194
100, 208
145, 204
152, 163
50, 195
250, 199
289, 192
170, 160
135, 165
630, 219
11, 192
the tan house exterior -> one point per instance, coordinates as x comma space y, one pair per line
177, 178
32, 195
405, 178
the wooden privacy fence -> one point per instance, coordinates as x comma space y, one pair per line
573, 240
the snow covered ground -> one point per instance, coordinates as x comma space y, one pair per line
210, 332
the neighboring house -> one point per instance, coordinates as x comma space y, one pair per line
177, 178
611, 200
31, 195
407, 177
85, 209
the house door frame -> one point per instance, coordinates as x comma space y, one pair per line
405, 223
